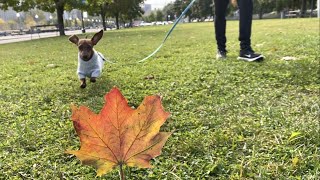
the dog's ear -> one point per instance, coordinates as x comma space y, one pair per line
74, 39
96, 38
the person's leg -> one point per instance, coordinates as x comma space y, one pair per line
246, 52
220, 23
246, 8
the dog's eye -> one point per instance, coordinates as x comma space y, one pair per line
85, 48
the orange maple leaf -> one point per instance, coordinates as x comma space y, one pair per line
120, 135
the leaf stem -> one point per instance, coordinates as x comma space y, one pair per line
121, 173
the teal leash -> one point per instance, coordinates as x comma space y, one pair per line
168, 34
105, 59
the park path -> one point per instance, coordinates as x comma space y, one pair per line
29, 37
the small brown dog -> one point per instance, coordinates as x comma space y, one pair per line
90, 61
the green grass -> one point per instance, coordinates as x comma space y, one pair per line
232, 119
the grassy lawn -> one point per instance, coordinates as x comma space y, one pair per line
232, 119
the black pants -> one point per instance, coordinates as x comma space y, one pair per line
245, 8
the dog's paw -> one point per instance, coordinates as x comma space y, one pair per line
93, 79
83, 86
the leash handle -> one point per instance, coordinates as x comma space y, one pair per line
168, 34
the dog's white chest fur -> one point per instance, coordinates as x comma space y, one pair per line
91, 68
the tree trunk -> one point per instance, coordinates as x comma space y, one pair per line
303, 8
311, 7
260, 12
60, 9
104, 22
318, 6
117, 20
103, 16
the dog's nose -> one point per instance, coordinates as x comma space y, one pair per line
85, 57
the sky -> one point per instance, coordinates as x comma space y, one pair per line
158, 4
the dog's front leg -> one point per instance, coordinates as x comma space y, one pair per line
93, 79
96, 73
83, 83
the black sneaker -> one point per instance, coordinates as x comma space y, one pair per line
221, 55
250, 56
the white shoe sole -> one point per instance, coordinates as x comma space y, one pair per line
221, 58
251, 59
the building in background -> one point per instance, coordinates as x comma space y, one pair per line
147, 9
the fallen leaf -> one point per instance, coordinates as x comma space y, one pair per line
295, 161
294, 135
51, 66
120, 135
149, 77
260, 45
289, 58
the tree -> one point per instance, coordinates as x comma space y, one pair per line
263, 6
180, 5
12, 24
133, 12
206, 8
201, 9
303, 8
29, 21
283, 5
3, 25
168, 10
99, 7
46, 5
152, 17
159, 15
196, 11
126, 8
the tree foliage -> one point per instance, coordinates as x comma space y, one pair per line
99, 7
204, 8
57, 6
169, 12
159, 15
263, 6
125, 8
